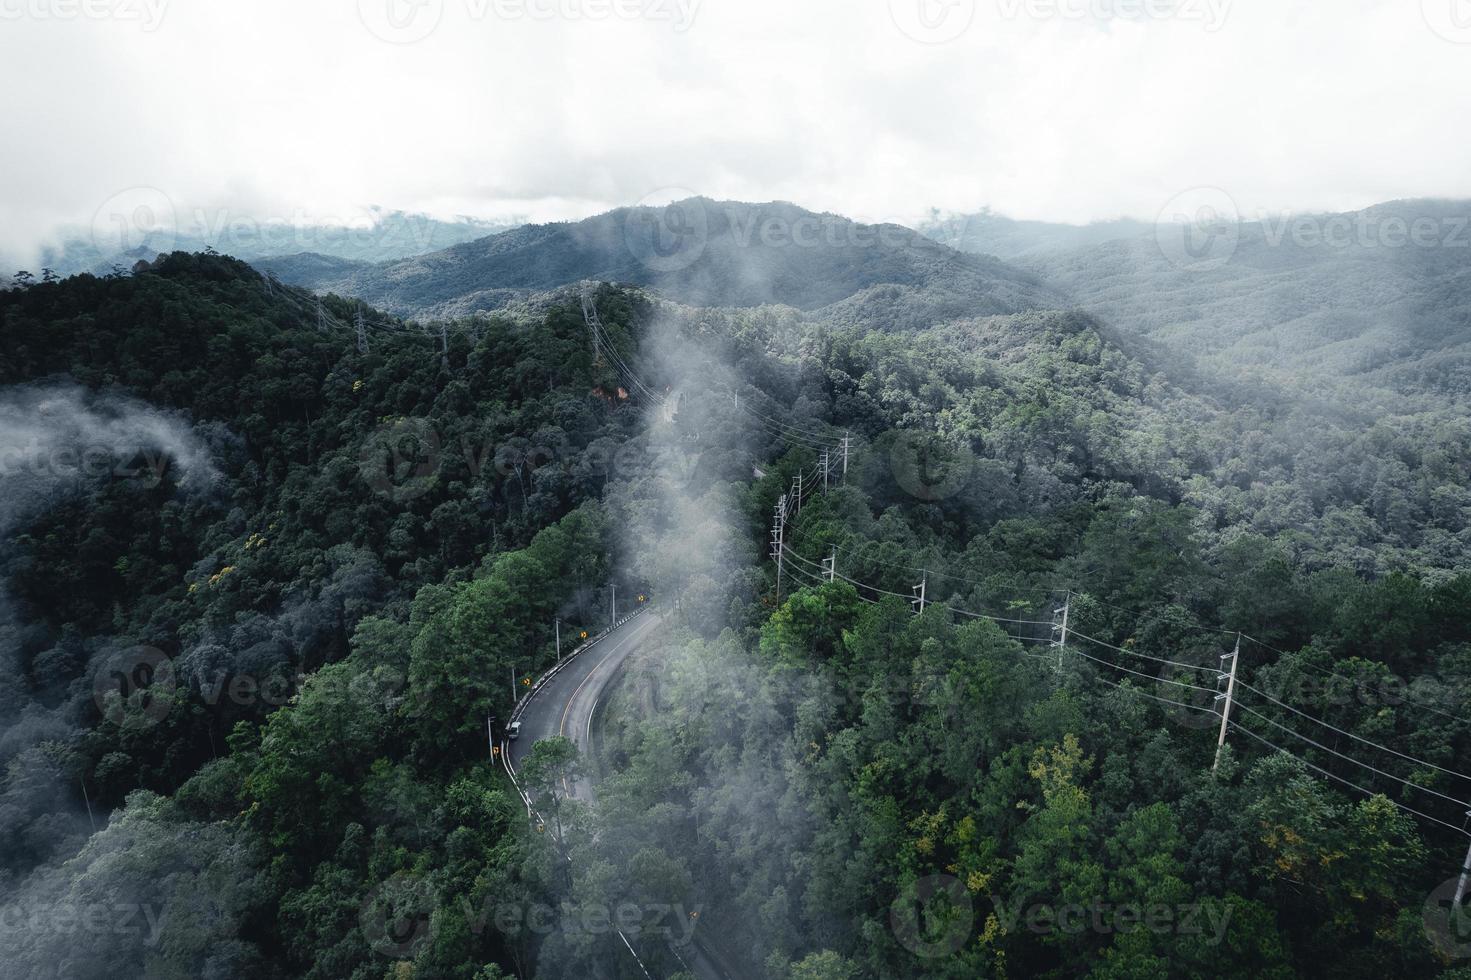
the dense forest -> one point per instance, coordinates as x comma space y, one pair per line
264, 580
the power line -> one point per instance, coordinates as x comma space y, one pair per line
1145, 656
1389, 775
950, 575
1237, 726
1328, 673
961, 612
595, 323
1357, 738
1145, 694
1000, 619
820, 580
1151, 677
796, 432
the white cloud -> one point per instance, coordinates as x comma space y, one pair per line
277, 106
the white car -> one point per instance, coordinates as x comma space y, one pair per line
513, 731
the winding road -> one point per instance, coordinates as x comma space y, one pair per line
563, 702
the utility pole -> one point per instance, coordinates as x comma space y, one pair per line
1061, 628
778, 531
1235, 657
515, 692
361, 324
1465, 871
321, 317
559, 640
845, 457
444, 345
824, 470
919, 591
830, 565
93, 820
797, 491
613, 607
490, 733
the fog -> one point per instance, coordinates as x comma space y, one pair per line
59, 439
1068, 111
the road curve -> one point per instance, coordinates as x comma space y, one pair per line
564, 704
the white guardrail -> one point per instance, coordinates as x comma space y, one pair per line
541, 681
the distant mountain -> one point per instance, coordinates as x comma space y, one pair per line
1379, 298
989, 233
700, 252
383, 235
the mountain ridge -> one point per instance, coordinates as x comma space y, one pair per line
697, 251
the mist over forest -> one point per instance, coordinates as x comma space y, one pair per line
735, 490
260, 622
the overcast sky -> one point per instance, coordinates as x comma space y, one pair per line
879, 109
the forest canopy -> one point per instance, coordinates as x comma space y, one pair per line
255, 640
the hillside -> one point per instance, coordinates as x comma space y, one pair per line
255, 655
989, 233
698, 251
381, 235
1342, 305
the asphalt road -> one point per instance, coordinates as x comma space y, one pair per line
565, 705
